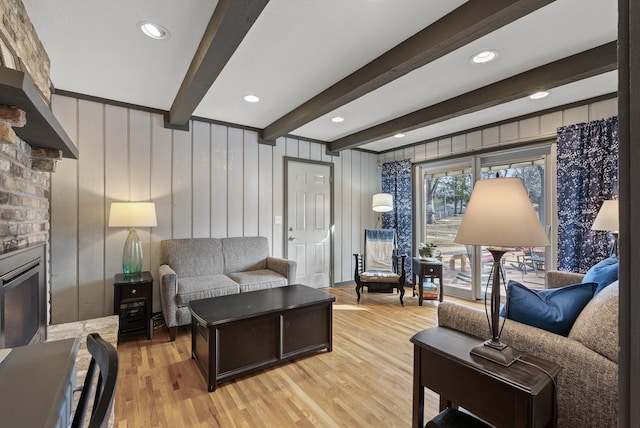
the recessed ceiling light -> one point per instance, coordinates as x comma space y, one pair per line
153, 30
251, 98
484, 57
337, 119
399, 135
538, 95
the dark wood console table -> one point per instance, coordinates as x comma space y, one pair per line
36, 384
517, 396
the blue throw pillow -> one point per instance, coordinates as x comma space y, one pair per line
554, 310
604, 273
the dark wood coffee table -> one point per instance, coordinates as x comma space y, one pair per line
241, 333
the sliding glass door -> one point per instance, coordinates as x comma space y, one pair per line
526, 265
445, 190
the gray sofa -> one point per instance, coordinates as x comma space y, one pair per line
588, 382
200, 268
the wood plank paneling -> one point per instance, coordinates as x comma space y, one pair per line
315, 151
116, 189
244, 181
576, 115
91, 217
161, 164
304, 150
200, 177
211, 181
139, 155
64, 222
356, 198
533, 129
139, 164
345, 214
265, 192
292, 148
219, 181
278, 197
181, 187
235, 210
250, 177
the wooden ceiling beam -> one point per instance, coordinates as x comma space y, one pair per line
571, 69
229, 24
472, 20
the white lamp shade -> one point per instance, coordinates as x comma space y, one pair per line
133, 214
607, 218
382, 202
500, 214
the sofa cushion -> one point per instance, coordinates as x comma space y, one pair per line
245, 254
203, 287
604, 273
258, 280
193, 257
597, 325
554, 310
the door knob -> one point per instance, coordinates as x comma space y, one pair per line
291, 238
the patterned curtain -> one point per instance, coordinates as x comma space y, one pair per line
587, 175
396, 179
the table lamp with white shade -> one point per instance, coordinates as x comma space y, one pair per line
132, 215
499, 215
607, 220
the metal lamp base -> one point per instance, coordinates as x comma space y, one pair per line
497, 352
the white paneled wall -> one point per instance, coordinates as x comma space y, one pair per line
212, 181
532, 129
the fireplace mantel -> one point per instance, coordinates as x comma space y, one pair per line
42, 129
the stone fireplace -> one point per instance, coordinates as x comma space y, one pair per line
31, 144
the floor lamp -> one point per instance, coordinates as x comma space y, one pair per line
499, 215
382, 203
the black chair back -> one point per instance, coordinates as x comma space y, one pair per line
104, 357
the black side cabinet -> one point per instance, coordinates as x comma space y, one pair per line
132, 301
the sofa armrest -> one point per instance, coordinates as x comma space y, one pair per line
168, 290
462, 318
284, 267
558, 278
586, 377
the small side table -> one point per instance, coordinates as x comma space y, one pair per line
133, 302
518, 396
423, 268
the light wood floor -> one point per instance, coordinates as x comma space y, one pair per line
365, 381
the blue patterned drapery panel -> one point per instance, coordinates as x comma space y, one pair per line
396, 179
587, 175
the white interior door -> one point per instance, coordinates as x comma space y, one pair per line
309, 221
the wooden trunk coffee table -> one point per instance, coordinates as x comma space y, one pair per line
237, 334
